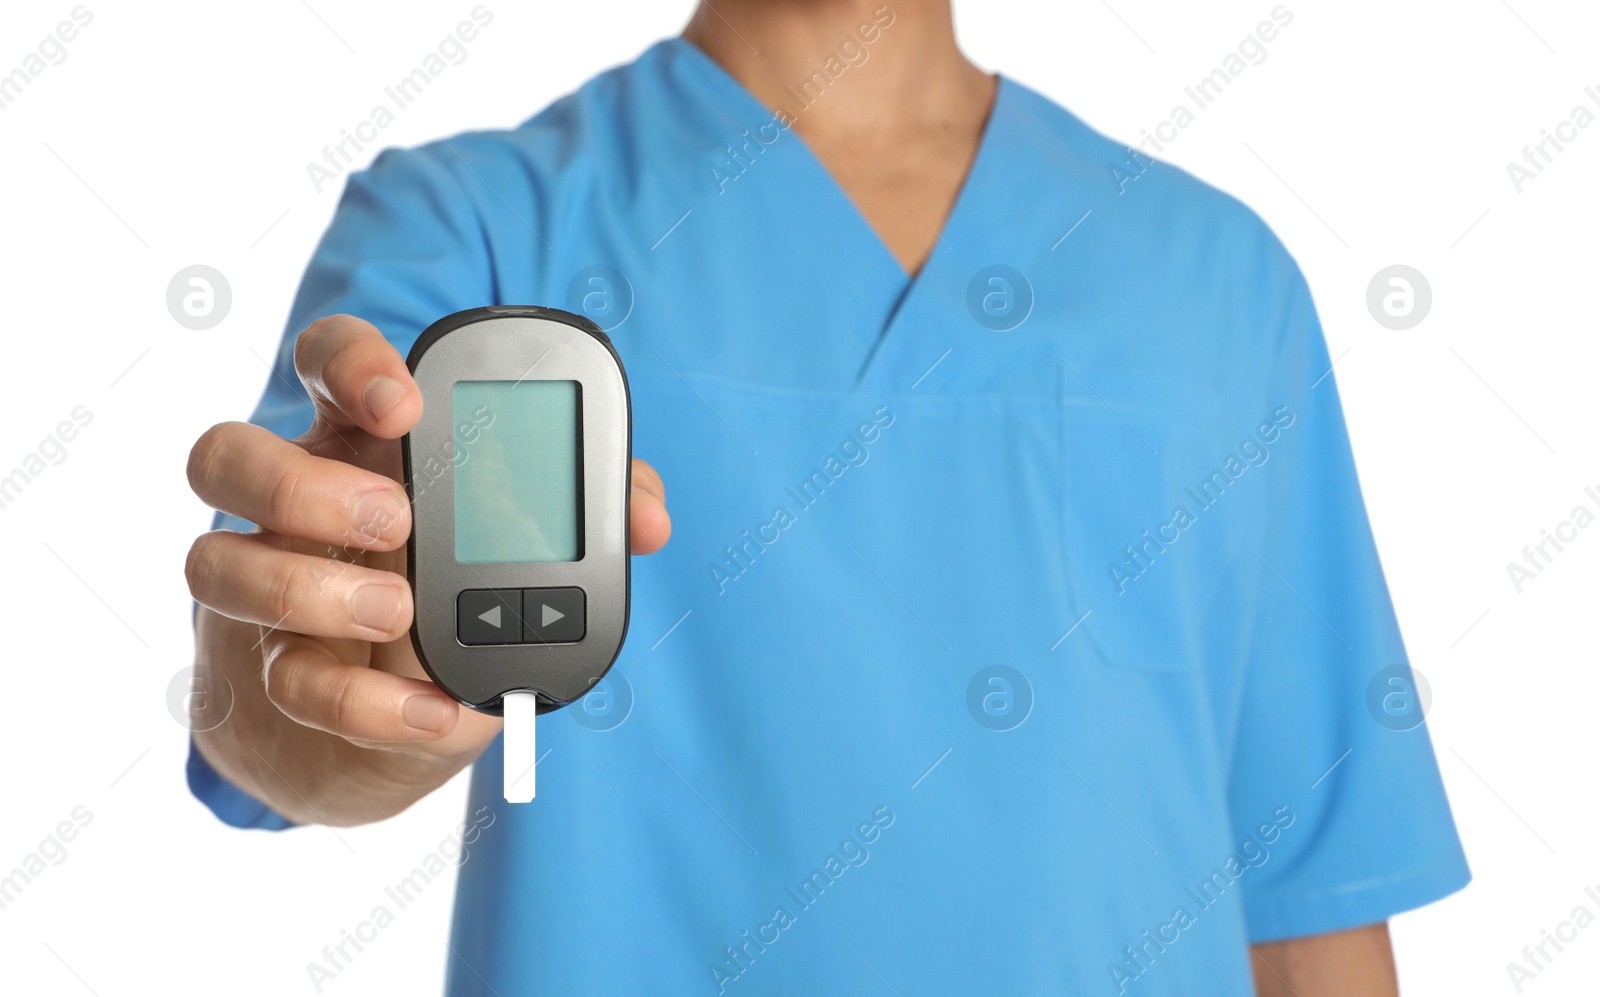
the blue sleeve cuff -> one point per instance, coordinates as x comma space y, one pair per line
232, 805
1353, 905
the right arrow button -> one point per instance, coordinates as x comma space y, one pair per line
560, 619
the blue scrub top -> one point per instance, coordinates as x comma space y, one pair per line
1021, 623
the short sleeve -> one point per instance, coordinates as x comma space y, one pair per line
405, 248
1332, 772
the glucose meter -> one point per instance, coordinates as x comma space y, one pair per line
518, 472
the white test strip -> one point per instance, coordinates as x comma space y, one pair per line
521, 755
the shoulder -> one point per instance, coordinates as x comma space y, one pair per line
1187, 279
1155, 210
568, 144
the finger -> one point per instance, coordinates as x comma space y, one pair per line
254, 474
649, 526
646, 477
356, 377
315, 689
246, 578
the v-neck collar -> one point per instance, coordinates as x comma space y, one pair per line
737, 93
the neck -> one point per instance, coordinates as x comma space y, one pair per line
843, 66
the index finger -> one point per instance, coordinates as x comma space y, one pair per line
356, 377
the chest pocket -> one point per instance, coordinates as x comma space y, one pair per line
1003, 510
1134, 526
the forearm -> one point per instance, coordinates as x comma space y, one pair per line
1354, 963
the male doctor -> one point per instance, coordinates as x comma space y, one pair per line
1018, 626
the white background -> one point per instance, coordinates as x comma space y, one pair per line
1374, 133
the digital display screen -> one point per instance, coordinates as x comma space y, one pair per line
519, 487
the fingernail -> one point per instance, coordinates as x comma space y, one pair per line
375, 606
375, 515
382, 395
425, 712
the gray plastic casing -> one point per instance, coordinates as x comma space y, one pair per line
512, 343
